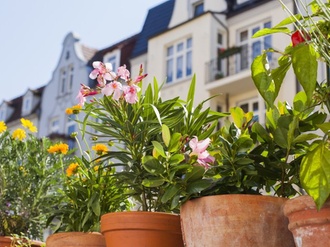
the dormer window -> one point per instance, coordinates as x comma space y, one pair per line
113, 58
2, 115
198, 8
27, 104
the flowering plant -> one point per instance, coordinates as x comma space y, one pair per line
308, 50
88, 190
28, 174
135, 126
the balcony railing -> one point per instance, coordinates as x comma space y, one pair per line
231, 63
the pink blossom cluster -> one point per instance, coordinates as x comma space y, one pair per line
198, 148
110, 83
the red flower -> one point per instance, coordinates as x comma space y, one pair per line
298, 38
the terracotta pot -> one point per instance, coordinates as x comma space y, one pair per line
235, 220
310, 228
70, 239
141, 229
5, 241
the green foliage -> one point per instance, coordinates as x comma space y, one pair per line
85, 196
28, 177
148, 138
297, 130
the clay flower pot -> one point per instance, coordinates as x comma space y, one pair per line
141, 229
70, 239
310, 228
235, 220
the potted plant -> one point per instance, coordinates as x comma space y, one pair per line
309, 49
136, 124
27, 175
89, 189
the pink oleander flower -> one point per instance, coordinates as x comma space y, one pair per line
83, 92
199, 149
123, 73
140, 78
114, 88
130, 93
102, 72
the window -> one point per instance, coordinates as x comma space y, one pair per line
241, 1
62, 81
251, 105
2, 115
71, 69
113, 57
250, 48
221, 65
179, 60
27, 104
198, 9
54, 126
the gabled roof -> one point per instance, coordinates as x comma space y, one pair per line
17, 103
235, 9
126, 46
88, 52
157, 21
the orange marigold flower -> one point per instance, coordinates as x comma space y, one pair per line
3, 126
19, 134
29, 125
100, 149
76, 109
58, 148
72, 169
68, 111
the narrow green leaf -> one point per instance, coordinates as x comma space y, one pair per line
170, 192
191, 94
267, 31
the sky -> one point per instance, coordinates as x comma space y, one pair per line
32, 32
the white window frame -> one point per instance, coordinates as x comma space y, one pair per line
63, 80
179, 60
251, 47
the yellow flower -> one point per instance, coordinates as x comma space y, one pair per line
96, 168
76, 109
3, 126
58, 148
19, 134
68, 111
72, 169
100, 149
29, 125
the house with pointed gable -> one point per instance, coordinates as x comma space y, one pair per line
61, 91
25, 106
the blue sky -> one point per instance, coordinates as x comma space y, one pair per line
32, 32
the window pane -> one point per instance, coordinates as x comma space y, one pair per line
244, 57
267, 24
179, 67
219, 38
256, 49
255, 106
170, 51
245, 107
169, 70
254, 30
199, 9
179, 47
244, 35
189, 43
189, 63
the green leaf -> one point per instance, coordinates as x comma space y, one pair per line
170, 192
176, 159
263, 80
267, 31
304, 63
196, 173
152, 165
325, 127
198, 186
304, 138
315, 173
159, 148
175, 142
166, 134
191, 94
153, 182
238, 116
